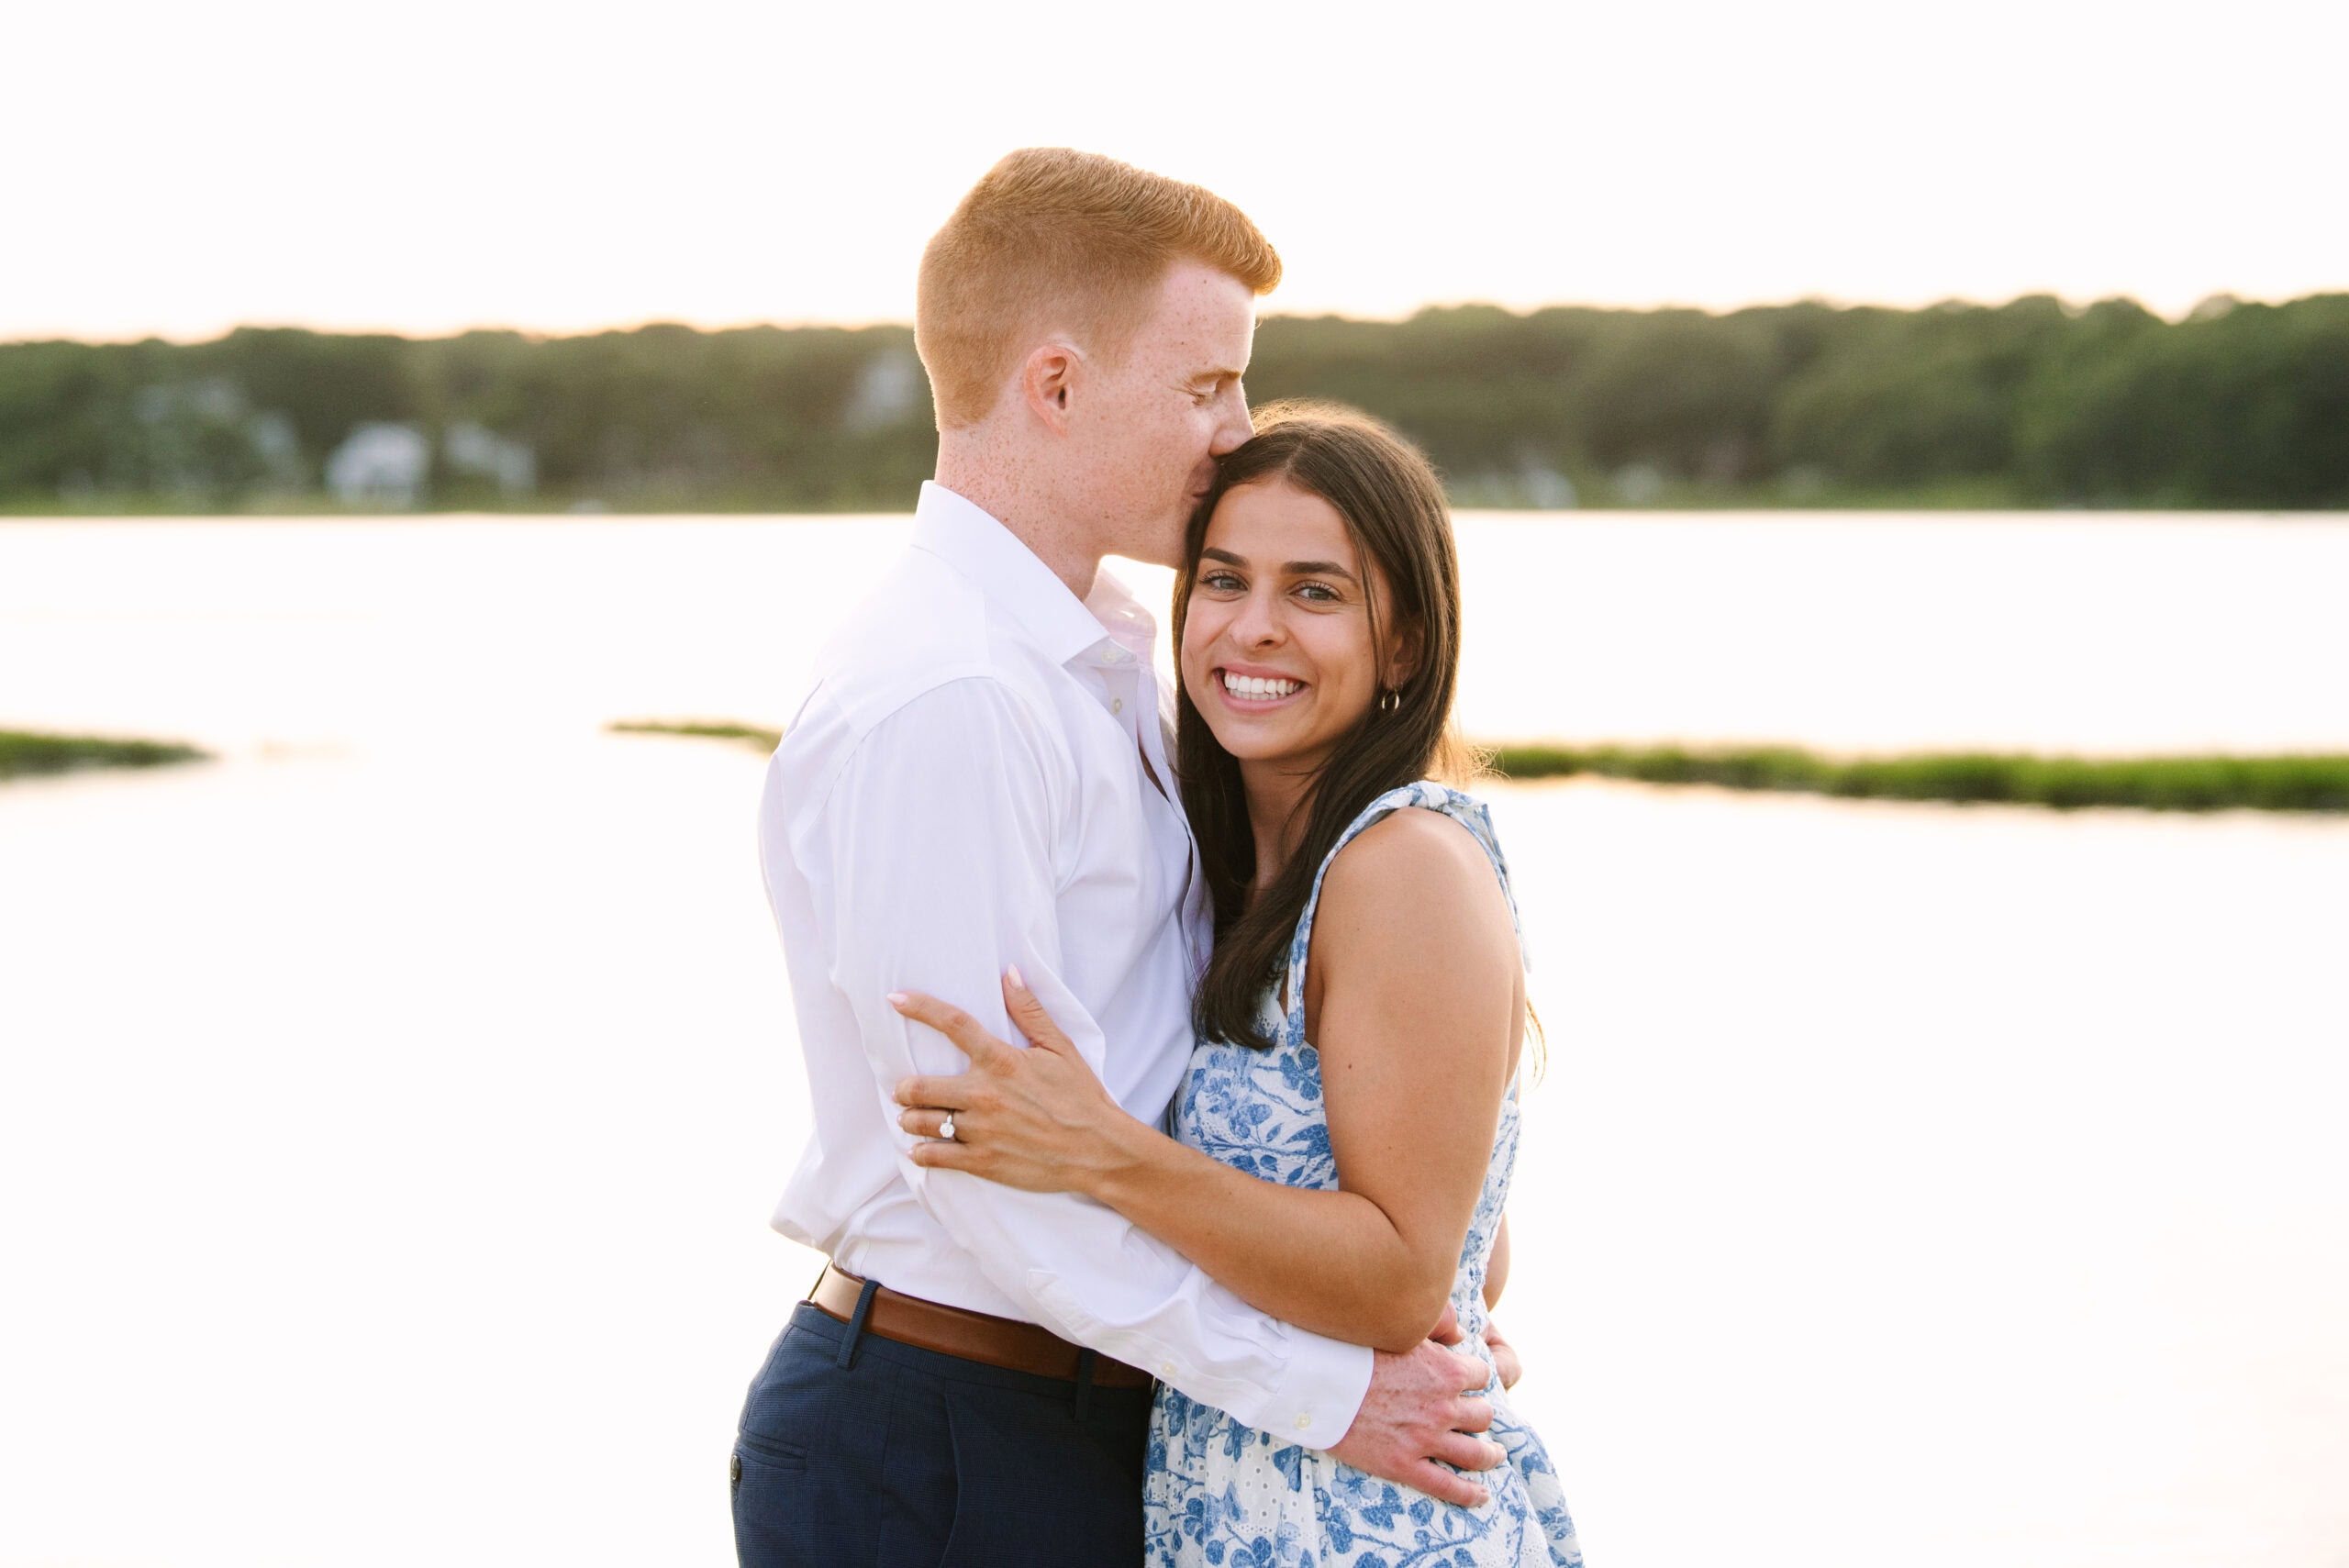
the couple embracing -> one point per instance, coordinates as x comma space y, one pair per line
1202, 1272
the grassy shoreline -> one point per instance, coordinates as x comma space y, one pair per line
700, 729
2315, 782
24, 753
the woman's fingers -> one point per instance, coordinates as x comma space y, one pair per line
982, 1048
924, 1121
937, 1094
943, 1154
1028, 1013
1507, 1364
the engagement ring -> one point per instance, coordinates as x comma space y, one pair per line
946, 1128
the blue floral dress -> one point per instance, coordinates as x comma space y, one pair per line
1227, 1495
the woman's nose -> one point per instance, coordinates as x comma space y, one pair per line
1256, 624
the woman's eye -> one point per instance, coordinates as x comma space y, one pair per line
1223, 582
1320, 592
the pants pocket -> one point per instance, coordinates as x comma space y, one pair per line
774, 1454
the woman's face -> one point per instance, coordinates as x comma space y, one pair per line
1276, 643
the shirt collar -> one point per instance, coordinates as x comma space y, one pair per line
967, 537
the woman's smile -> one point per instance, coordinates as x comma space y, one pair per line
1254, 689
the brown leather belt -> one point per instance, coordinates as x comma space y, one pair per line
974, 1336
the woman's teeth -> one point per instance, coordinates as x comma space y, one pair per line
1261, 687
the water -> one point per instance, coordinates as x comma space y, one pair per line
389, 1112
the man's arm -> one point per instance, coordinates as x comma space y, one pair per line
936, 849
1415, 1023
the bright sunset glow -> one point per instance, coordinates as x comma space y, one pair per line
181, 170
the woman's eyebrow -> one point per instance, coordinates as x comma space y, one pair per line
1317, 569
1292, 568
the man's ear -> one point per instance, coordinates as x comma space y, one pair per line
1045, 379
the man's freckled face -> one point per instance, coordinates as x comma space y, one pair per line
1172, 405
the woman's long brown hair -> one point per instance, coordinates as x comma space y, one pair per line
1395, 513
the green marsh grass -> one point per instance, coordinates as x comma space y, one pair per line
2150, 783
705, 730
22, 753
2064, 783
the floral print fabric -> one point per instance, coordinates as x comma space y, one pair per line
1222, 1494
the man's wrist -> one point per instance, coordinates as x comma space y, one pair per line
1320, 1391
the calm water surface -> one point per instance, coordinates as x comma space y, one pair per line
389, 1112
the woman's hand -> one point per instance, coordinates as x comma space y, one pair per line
1037, 1118
1507, 1364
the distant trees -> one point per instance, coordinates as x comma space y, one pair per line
662, 418
2029, 403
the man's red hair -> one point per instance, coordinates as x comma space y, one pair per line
1054, 241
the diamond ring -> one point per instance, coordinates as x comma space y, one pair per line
946, 1128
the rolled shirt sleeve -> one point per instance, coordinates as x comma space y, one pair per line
938, 890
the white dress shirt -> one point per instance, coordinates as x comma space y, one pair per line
964, 789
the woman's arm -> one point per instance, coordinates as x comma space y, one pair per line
1496, 1267
1414, 998
1507, 1365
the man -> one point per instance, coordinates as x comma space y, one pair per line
979, 779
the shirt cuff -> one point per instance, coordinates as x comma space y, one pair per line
1320, 1393
1312, 1402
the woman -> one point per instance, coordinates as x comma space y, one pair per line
1352, 1103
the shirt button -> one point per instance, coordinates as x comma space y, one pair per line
1303, 1422
1167, 1369
1116, 705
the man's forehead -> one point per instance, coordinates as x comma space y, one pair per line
1205, 318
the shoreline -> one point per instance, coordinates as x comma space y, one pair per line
26, 753
2311, 784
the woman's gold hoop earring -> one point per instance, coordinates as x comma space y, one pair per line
1390, 700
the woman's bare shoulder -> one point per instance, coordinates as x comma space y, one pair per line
1417, 876
1413, 944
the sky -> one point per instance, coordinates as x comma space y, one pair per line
178, 169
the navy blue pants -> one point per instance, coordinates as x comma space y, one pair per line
904, 1458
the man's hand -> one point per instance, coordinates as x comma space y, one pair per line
1415, 1414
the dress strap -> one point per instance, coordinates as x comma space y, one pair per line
1464, 809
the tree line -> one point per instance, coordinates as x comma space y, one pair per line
2032, 403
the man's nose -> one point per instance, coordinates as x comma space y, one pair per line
1233, 428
